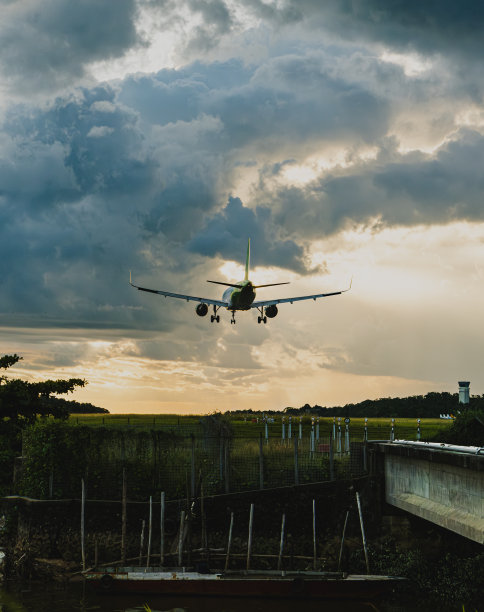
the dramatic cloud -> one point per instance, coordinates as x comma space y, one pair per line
305, 126
50, 44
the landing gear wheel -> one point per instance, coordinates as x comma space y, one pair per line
265, 320
217, 318
259, 319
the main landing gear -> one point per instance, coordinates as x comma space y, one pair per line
232, 320
215, 316
262, 318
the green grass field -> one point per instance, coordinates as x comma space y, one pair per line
253, 426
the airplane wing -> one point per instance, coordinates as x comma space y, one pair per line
188, 298
297, 299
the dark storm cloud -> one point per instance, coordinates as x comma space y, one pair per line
49, 43
138, 175
409, 189
288, 99
429, 27
227, 232
216, 21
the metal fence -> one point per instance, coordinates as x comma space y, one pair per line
190, 465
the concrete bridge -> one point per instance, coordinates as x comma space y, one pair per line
441, 483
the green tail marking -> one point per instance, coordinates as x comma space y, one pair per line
247, 262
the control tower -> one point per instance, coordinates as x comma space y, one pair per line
464, 392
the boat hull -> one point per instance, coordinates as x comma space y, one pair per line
295, 585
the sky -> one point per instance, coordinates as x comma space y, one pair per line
345, 138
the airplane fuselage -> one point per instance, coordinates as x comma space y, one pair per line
240, 299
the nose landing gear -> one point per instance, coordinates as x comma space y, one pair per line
232, 320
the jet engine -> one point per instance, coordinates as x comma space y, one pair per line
202, 310
271, 311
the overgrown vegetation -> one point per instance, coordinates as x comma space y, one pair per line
467, 428
21, 404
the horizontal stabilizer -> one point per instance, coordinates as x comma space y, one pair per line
226, 284
270, 285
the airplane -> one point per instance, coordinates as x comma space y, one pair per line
239, 296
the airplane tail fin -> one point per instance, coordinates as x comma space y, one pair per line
247, 262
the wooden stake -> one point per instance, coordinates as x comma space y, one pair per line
281, 544
162, 529
204, 518
83, 504
314, 535
150, 528
229, 542
142, 540
180, 538
249, 541
261, 463
123, 518
342, 541
363, 532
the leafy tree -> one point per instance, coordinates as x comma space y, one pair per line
22, 402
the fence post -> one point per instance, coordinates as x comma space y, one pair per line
123, 518
162, 528
317, 429
347, 435
221, 457
392, 433
83, 504
283, 429
289, 434
418, 429
192, 479
296, 462
227, 465
365, 435
300, 428
261, 463
338, 446
331, 457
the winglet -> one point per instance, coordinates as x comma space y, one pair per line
247, 262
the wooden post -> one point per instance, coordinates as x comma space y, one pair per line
204, 519
180, 538
192, 471
141, 541
150, 528
281, 543
363, 532
343, 541
296, 462
227, 464
83, 505
249, 541
162, 528
331, 457
221, 458
229, 542
314, 536
123, 518
261, 463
